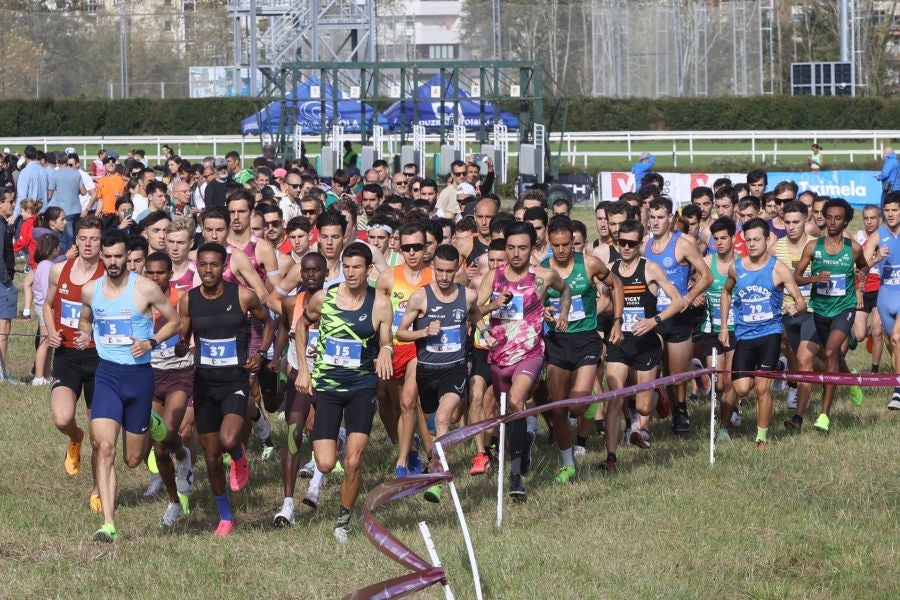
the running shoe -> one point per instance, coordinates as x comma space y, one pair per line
852, 342
566, 475
795, 423
73, 457
400, 472
338, 469
342, 533
856, 393
184, 474
663, 406
154, 487
94, 503
608, 466
639, 436
526, 458
41, 381
240, 473
433, 494
792, 398
185, 504
735, 419
823, 423
480, 464
704, 382
311, 499
894, 404
158, 428
578, 451
151, 462
778, 384
224, 529
762, 444
173, 513
414, 460
268, 451
308, 470
516, 487
722, 435
261, 426
106, 534
285, 516
681, 424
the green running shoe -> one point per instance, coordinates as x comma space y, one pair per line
722, 436
151, 462
856, 393
433, 494
185, 503
566, 475
106, 534
823, 423
158, 428
338, 468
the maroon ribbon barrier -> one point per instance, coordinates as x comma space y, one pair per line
860, 379
424, 574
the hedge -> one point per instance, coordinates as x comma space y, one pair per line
221, 116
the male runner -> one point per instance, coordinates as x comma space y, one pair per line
758, 282
833, 259
677, 255
886, 242
354, 350
572, 356
514, 296
116, 312
179, 235
869, 286
214, 317
73, 368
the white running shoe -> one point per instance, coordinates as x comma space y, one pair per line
155, 487
792, 398
894, 404
267, 452
285, 516
736, 419
311, 499
261, 427
579, 450
778, 384
307, 470
173, 513
41, 381
184, 473
342, 534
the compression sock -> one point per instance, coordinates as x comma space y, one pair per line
237, 453
291, 440
343, 519
517, 441
762, 434
567, 459
224, 506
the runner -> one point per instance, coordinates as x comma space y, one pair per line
833, 260
354, 349
214, 318
869, 286
116, 313
757, 282
441, 314
886, 241
73, 368
179, 235
572, 356
514, 295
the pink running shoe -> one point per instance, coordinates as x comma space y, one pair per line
240, 473
224, 529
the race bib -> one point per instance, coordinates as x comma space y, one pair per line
115, 331
343, 353
218, 353
576, 309
398, 316
312, 343
514, 311
70, 313
890, 275
448, 340
630, 316
717, 316
755, 310
836, 286
167, 348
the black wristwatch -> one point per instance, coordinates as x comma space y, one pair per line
618, 320
658, 320
153, 343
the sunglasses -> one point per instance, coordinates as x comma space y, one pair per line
296, 186
459, 173
273, 223
782, 200
412, 247
410, 174
309, 212
400, 182
629, 243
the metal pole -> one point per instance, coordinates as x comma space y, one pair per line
370, 41
123, 52
845, 31
712, 409
236, 34
501, 450
495, 20
254, 49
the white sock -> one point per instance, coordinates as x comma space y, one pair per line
317, 478
567, 459
288, 503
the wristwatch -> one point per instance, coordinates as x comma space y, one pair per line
153, 343
618, 320
658, 320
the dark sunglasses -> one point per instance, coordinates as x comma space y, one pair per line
412, 247
273, 223
296, 186
459, 173
629, 243
308, 212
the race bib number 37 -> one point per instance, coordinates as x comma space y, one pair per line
218, 353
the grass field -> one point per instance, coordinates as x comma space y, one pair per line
812, 517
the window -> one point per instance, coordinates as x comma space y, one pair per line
437, 51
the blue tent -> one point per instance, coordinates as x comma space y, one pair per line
309, 112
466, 112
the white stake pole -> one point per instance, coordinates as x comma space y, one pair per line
500, 469
712, 409
432, 551
462, 522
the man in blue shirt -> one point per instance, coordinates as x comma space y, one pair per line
642, 167
33, 181
890, 173
64, 189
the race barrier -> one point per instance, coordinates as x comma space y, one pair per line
424, 574
856, 187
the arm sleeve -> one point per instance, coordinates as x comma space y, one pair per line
488, 184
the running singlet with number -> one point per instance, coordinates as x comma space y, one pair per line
312, 337
784, 254
839, 294
348, 345
221, 330
757, 302
640, 301
118, 323
163, 356
890, 265
67, 303
678, 274
714, 297
400, 293
516, 326
583, 310
448, 347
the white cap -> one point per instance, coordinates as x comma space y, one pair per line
70, 150
465, 189
7, 151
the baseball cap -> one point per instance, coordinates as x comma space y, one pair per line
243, 177
70, 150
220, 163
465, 189
110, 158
112, 153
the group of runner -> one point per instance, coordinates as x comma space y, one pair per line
340, 314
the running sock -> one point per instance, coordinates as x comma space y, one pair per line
875, 368
762, 434
289, 502
518, 440
237, 453
600, 426
291, 440
568, 460
317, 478
343, 519
681, 407
581, 440
224, 506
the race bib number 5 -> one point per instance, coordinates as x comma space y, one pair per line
115, 331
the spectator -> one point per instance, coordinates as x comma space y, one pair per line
815, 159
33, 180
643, 166
350, 155
65, 191
46, 254
110, 187
9, 295
890, 174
